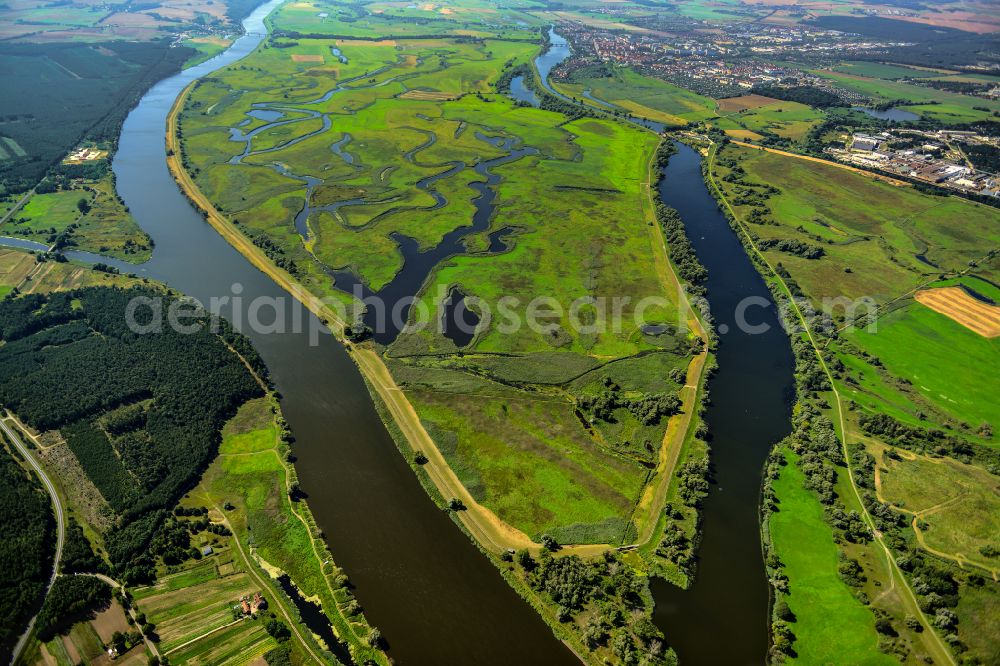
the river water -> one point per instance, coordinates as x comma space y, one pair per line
723, 618
435, 597
422, 582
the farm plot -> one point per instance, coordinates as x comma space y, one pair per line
187, 612
961, 306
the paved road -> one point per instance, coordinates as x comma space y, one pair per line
18, 205
60, 524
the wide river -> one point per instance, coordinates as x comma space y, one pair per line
435, 597
723, 618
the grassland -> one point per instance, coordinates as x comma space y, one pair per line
580, 481
205, 47
788, 120
644, 96
464, 17
881, 70
831, 625
940, 105
875, 229
954, 505
902, 389
102, 227
948, 365
871, 234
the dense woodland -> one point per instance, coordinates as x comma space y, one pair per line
605, 596
71, 598
56, 95
141, 411
27, 545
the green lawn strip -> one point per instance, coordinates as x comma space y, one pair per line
831, 625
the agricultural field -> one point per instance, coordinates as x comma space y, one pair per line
474, 18
205, 47
919, 344
959, 305
642, 95
940, 105
193, 613
21, 270
396, 138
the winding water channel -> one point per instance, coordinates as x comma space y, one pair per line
436, 599
421, 581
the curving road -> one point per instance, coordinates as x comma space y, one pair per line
60, 525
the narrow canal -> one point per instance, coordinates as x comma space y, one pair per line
436, 599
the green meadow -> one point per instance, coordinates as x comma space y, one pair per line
831, 625
252, 475
882, 70
576, 210
922, 364
948, 364
948, 107
871, 232
644, 96
958, 510
789, 120
105, 228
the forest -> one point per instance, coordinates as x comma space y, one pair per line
57, 95
141, 410
26, 549
70, 599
